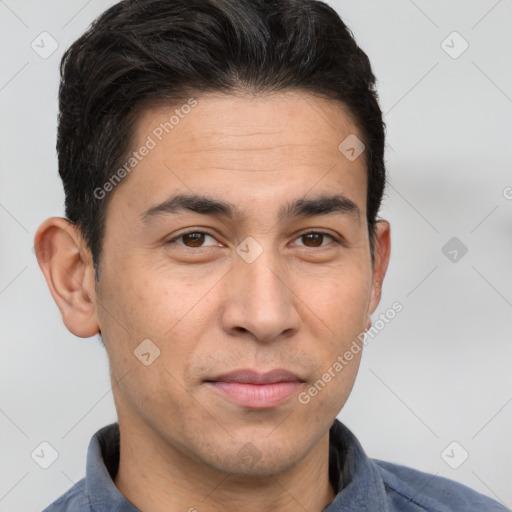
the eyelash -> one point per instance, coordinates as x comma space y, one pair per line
173, 240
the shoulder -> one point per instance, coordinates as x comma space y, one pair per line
432, 493
73, 500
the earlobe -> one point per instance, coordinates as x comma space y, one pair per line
67, 267
382, 245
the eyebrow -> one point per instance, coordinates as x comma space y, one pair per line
204, 205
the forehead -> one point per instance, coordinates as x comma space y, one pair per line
244, 148
234, 120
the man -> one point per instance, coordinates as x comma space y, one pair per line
223, 168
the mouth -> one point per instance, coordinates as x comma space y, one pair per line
255, 390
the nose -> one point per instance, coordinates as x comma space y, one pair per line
259, 301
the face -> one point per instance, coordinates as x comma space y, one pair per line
272, 273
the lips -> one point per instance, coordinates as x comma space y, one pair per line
248, 376
255, 390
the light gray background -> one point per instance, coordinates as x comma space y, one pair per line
439, 372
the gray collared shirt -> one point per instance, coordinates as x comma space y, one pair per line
363, 484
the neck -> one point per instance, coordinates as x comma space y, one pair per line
156, 478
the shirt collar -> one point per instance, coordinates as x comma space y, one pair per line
360, 485
355, 477
101, 469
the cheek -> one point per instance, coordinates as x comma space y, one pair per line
342, 300
342, 305
148, 303
169, 310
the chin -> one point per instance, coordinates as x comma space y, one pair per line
259, 458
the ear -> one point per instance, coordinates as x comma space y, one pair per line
382, 249
67, 266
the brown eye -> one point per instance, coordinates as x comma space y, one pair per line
314, 239
192, 239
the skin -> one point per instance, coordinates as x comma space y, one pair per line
298, 306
